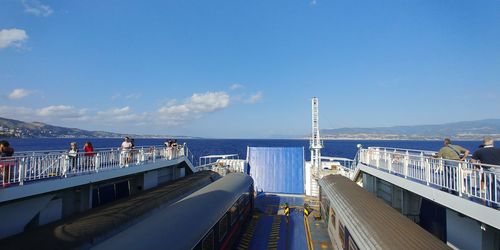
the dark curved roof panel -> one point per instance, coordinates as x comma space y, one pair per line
372, 223
183, 224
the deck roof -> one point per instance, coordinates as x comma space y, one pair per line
382, 227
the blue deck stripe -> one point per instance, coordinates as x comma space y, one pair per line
261, 234
296, 238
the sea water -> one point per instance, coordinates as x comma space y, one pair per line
202, 147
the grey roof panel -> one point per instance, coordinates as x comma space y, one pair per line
183, 224
372, 222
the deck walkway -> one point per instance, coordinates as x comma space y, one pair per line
270, 229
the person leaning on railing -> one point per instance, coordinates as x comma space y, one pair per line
451, 152
488, 154
6, 153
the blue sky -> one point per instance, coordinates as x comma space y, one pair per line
247, 69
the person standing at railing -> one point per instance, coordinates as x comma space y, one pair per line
6, 161
451, 168
175, 148
488, 154
452, 152
89, 154
165, 150
169, 149
73, 156
133, 151
126, 148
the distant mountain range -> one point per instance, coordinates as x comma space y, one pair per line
19, 129
466, 130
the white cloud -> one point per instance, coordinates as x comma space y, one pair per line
235, 86
120, 115
132, 96
18, 94
116, 111
197, 105
172, 113
47, 114
255, 97
61, 111
35, 7
12, 37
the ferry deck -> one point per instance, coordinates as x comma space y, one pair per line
270, 228
384, 198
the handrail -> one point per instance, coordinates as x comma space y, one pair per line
34, 166
411, 151
52, 151
189, 154
222, 164
220, 156
464, 178
346, 163
210, 159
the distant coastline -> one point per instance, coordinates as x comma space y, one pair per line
413, 138
10, 128
462, 131
398, 139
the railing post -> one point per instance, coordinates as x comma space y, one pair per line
459, 179
406, 163
378, 158
154, 154
422, 164
140, 158
389, 162
65, 166
22, 169
97, 162
428, 171
495, 177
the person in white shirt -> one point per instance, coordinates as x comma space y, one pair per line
73, 156
126, 147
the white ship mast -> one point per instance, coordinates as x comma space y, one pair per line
315, 145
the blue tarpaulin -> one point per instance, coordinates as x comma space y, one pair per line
276, 169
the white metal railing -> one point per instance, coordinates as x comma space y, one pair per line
346, 163
464, 178
405, 150
32, 166
222, 164
189, 155
343, 166
209, 160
